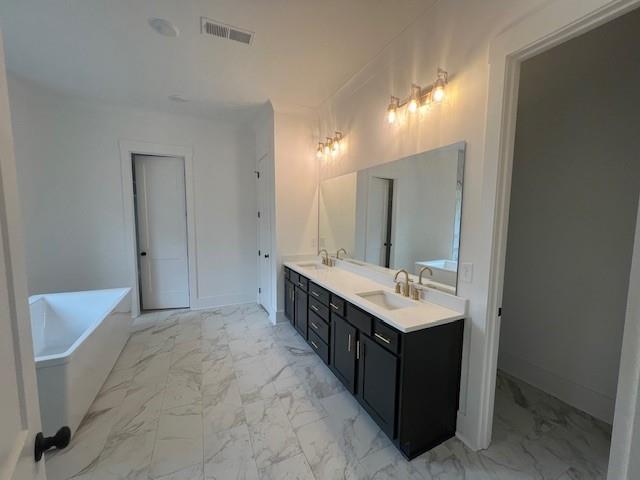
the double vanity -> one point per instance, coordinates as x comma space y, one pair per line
400, 358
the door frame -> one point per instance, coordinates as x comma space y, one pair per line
128, 148
21, 463
551, 25
260, 299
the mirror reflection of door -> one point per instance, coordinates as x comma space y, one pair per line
379, 221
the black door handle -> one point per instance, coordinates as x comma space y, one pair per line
143, 254
60, 440
266, 255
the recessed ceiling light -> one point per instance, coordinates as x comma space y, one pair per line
178, 98
164, 27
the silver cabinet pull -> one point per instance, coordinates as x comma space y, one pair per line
300, 284
357, 349
335, 307
313, 307
314, 345
314, 325
314, 294
349, 343
385, 340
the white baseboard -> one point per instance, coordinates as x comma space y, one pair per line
280, 316
202, 303
594, 403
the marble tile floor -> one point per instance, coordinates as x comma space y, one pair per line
223, 394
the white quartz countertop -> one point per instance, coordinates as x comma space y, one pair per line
422, 314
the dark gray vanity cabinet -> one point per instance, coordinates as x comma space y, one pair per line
301, 314
343, 351
409, 383
289, 300
377, 383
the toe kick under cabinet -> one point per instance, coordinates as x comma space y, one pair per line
409, 383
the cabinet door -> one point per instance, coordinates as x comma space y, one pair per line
377, 382
289, 301
343, 352
301, 311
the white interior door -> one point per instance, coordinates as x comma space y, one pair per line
377, 216
162, 232
264, 237
19, 409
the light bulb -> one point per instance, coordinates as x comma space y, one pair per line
328, 146
336, 142
320, 150
438, 93
414, 98
392, 108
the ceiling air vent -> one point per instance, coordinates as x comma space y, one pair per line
222, 30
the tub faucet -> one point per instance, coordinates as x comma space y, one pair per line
421, 272
338, 253
325, 260
405, 290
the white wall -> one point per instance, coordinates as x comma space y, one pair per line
296, 183
70, 185
455, 35
572, 218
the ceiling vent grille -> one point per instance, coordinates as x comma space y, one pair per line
222, 30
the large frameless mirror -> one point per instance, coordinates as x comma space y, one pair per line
401, 214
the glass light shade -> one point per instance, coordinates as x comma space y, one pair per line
391, 114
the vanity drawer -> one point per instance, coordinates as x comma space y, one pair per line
319, 309
321, 348
386, 336
319, 327
319, 293
359, 319
336, 304
302, 282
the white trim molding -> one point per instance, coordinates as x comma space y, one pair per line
554, 23
127, 149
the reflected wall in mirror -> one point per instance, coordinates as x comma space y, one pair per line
401, 214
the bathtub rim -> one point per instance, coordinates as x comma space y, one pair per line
45, 361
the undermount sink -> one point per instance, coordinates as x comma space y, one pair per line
312, 266
386, 300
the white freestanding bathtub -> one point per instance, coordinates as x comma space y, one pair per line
77, 337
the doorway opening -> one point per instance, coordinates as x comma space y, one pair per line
572, 212
160, 218
380, 221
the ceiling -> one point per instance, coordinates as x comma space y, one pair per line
302, 52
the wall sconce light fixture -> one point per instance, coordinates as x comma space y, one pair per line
418, 97
331, 146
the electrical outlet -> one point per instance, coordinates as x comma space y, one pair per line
466, 272
313, 243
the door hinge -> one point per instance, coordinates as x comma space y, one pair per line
499, 311
257, 172
259, 290
259, 253
258, 214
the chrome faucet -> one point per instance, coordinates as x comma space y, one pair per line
338, 253
405, 290
421, 272
325, 260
